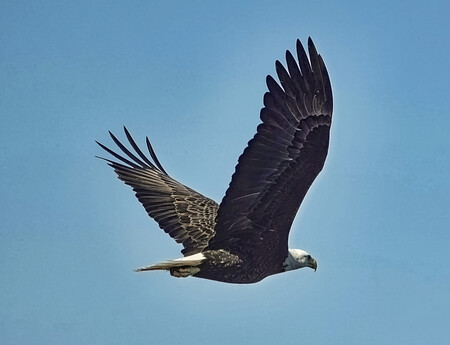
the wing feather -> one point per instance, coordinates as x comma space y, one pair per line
281, 162
186, 215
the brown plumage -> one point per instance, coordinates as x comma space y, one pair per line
245, 239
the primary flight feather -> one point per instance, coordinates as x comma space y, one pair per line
245, 238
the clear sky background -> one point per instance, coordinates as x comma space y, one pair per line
191, 76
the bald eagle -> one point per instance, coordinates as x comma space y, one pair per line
245, 238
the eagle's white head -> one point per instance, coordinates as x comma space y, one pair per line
298, 258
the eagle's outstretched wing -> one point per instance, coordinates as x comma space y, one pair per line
187, 216
281, 161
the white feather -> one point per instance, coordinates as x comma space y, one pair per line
297, 258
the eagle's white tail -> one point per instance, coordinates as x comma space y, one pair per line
182, 267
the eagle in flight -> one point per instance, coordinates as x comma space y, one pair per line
245, 238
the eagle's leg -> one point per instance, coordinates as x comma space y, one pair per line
183, 272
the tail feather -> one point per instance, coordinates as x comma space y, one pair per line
188, 261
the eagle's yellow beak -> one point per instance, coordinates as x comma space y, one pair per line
313, 264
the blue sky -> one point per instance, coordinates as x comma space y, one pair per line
191, 76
